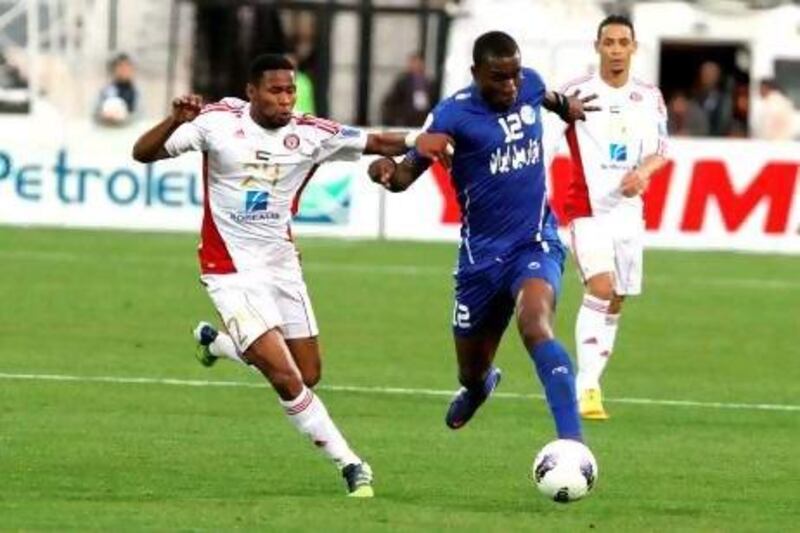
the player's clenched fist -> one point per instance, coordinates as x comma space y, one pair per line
186, 108
381, 171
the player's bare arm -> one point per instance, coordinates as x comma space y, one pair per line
636, 181
150, 146
397, 177
569, 108
429, 145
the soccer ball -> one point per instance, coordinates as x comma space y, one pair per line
565, 470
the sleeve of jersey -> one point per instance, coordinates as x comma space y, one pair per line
656, 140
190, 136
345, 144
437, 121
533, 87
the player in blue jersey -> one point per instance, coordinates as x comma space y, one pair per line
510, 257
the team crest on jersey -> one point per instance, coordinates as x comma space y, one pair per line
636, 97
527, 114
291, 141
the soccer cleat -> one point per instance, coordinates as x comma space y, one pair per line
204, 333
359, 480
467, 401
590, 405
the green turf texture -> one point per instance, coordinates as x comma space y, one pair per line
711, 327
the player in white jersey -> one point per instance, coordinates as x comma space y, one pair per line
257, 156
614, 154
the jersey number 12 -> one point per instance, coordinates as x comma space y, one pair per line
512, 127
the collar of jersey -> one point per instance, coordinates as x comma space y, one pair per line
607, 87
477, 98
253, 125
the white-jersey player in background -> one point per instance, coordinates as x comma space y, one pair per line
257, 157
614, 153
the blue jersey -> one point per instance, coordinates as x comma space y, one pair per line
498, 171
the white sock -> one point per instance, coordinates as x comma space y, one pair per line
591, 343
611, 326
223, 346
309, 416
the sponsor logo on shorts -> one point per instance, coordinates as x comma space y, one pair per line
534, 265
349, 132
461, 316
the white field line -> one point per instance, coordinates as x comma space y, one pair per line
397, 391
405, 270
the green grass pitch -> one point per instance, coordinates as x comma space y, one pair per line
716, 329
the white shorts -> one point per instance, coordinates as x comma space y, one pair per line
254, 302
601, 245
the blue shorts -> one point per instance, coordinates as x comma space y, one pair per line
485, 297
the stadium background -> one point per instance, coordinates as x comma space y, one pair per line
106, 422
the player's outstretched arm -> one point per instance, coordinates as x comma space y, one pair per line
393, 176
569, 108
434, 146
150, 146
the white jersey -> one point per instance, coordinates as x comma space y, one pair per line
253, 178
631, 126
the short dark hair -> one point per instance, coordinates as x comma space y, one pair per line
623, 20
266, 62
117, 59
493, 44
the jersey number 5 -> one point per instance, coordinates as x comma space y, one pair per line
512, 127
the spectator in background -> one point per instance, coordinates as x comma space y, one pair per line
409, 100
686, 117
118, 100
714, 98
305, 89
14, 96
741, 109
775, 120
10, 75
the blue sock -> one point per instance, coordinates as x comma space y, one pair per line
554, 368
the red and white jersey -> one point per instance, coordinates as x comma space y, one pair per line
253, 178
631, 126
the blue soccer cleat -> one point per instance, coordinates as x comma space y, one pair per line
467, 401
204, 333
